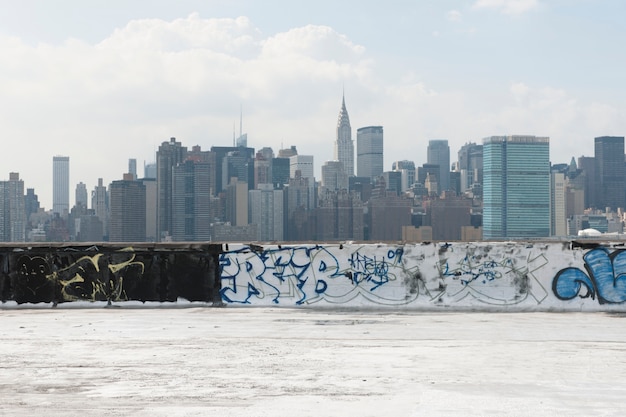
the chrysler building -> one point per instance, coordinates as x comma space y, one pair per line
344, 146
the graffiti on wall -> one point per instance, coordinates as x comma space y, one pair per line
604, 279
490, 276
386, 275
308, 274
351, 275
109, 274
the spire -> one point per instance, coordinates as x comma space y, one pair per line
344, 119
344, 147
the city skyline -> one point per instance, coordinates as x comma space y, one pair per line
106, 83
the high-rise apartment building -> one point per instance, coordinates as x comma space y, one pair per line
151, 211
236, 209
128, 210
369, 150
339, 216
266, 211
191, 201
100, 205
298, 218
439, 154
558, 204
393, 180
334, 176
149, 170
516, 187
132, 167
32, 205
470, 165
344, 146
169, 155
610, 172
61, 185
263, 167
12, 209
302, 163
587, 166
280, 172
81, 194
407, 171
387, 213
238, 164
231, 161
448, 216
302, 166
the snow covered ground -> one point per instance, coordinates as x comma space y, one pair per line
200, 361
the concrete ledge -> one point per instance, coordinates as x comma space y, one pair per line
435, 276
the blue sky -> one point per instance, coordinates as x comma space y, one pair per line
104, 81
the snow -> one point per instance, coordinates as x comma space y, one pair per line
256, 361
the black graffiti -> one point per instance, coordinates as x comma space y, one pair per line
109, 273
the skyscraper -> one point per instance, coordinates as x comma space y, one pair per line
191, 200
298, 208
266, 211
31, 203
236, 210
61, 185
302, 166
263, 167
233, 162
169, 155
610, 171
280, 172
369, 150
470, 165
344, 146
81, 194
339, 216
439, 154
100, 205
516, 187
334, 176
132, 167
12, 209
558, 204
407, 170
128, 210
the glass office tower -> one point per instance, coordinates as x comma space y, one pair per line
516, 187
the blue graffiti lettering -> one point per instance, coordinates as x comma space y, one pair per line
606, 278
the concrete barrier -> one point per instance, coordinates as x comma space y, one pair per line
107, 272
499, 276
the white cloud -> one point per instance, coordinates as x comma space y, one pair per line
547, 111
104, 103
512, 7
454, 16
519, 91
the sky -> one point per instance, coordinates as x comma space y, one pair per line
105, 81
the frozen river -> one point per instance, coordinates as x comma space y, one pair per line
294, 362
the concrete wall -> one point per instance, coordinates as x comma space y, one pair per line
474, 276
519, 276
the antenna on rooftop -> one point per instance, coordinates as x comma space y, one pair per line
240, 120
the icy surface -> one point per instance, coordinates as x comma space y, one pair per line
299, 362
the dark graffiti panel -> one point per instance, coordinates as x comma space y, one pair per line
108, 273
